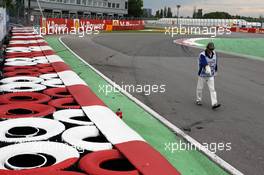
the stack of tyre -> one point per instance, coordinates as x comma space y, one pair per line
45, 129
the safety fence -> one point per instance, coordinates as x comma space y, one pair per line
3, 23
52, 123
63, 25
206, 22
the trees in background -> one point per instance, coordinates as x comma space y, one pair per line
14, 8
225, 15
217, 15
166, 12
135, 8
8, 4
169, 13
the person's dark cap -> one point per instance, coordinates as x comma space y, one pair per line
210, 46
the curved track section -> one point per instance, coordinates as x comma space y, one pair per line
153, 58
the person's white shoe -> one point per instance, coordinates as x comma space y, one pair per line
216, 106
198, 102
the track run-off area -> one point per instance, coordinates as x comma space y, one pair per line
153, 58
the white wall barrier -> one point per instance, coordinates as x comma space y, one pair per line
3, 23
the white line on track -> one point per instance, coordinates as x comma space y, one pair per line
229, 168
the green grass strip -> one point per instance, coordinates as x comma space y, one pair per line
247, 47
187, 162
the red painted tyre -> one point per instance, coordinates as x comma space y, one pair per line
109, 162
64, 103
12, 55
16, 68
46, 65
47, 70
22, 73
56, 173
58, 92
48, 52
24, 110
28, 45
24, 97
26, 38
23, 34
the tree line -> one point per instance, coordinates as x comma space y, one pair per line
166, 12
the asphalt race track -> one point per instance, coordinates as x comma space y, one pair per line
137, 58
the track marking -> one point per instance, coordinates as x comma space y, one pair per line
222, 163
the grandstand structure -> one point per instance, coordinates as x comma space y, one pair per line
204, 22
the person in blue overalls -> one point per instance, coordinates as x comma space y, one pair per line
207, 72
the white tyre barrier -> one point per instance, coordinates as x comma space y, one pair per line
17, 42
36, 156
49, 76
42, 161
26, 41
72, 116
18, 49
29, 129
19, 59
22, 87
75, 137
40, 60
39, 48
20, 63
53, 83
33, 36
19, 79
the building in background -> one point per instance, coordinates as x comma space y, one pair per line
78, 8
147, 12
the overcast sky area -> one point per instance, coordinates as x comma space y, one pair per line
253, 8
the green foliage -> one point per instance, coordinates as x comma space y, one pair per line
157, 15
161, 13
169, 13
135, 8
166, 12
7, 4
217, 15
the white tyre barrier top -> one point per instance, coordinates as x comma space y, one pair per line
70, 78
20, 63
22, 87
74, 136
111, 125
19, 79
27, 41
61, 152
15, 32
49, 76
68, 115
54, 58
40, 60
34, 36
53, 83
39, 48
18, 49
28, 129
19, 59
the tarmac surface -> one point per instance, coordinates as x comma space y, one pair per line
153, 59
